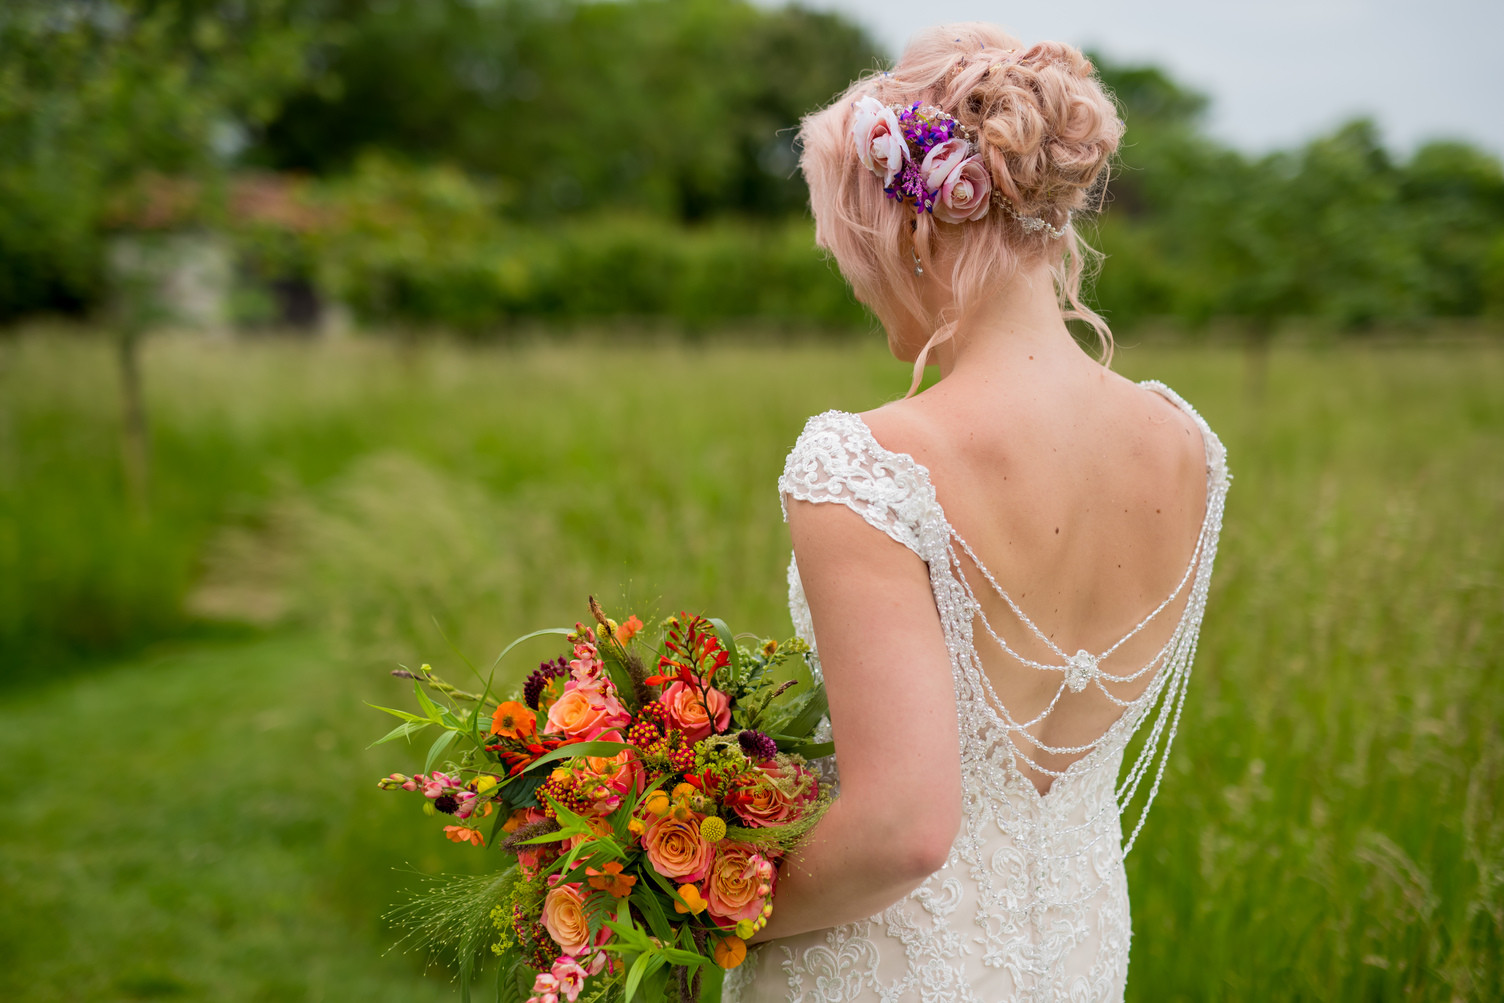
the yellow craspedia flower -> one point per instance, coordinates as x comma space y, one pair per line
656, 802
684, 790
712, 829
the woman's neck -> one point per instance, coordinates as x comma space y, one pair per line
1019, 322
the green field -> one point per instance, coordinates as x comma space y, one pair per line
187, 809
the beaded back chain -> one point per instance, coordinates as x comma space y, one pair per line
1084, 668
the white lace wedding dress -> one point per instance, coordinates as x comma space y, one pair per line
1032, 902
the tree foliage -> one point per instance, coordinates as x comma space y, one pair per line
683, 108
95, 92
648, 116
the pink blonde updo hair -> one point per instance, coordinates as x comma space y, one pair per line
1046, 130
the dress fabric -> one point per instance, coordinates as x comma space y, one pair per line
1032, 901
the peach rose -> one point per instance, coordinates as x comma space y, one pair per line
767, 802
966, 193
688, 713
582, 713
564, 918
676, 849
733, 888
621, 772
879, 138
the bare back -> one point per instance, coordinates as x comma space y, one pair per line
1084, 495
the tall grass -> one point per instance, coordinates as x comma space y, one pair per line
1329, 827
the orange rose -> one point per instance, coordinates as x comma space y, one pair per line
564, 918
688, 713
583, 713
675, 849
777, 796
738, 884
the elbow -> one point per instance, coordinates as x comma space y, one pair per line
926, 841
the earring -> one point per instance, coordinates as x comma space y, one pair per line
918, 268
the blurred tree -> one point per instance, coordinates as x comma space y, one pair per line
93, 95
678, 107
1453, 199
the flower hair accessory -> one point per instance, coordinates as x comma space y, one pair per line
929, 161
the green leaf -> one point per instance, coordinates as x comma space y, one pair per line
436, 750
814, 709
655, 985
429, 707
652, 910
728, 641
528, 637
404, 715
402, 730
636, 972
663, 883
595, 748
812, 750
712, 979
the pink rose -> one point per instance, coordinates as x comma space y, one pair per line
966, 193
778, 796
676, 849
942, 159
582, 713
879, 138
739, 883
687, 712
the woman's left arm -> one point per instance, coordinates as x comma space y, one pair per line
893, 717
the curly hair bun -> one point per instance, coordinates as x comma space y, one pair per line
1045, 128
1044, 123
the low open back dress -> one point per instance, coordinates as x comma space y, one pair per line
1032, 901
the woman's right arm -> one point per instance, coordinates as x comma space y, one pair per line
893, 719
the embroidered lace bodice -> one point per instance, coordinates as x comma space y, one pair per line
1032, 901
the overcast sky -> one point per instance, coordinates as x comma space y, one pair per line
1278, 71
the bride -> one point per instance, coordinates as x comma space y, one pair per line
1004, 574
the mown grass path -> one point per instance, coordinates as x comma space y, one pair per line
201, 825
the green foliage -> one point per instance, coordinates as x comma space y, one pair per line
432, 247
94, 93
677, 108
1328, 826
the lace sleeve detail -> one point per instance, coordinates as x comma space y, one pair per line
837, 460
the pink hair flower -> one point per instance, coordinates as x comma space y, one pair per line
966, 192
879, 139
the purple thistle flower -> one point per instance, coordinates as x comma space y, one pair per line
756, 745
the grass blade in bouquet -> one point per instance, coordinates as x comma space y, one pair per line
642, 788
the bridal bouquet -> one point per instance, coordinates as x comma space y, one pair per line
643, 787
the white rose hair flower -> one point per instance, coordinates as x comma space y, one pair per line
879, 139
